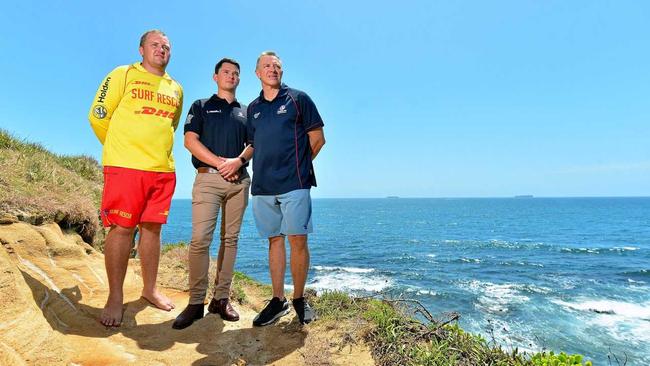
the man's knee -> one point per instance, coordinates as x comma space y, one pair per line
200, 242
122, 230
151, 227
297, 241
276, 240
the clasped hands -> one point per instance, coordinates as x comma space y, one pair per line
229, 168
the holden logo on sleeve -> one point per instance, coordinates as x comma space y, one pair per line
256, 115
99, 111
282, 110
240, 114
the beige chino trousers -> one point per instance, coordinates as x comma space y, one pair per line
211, 194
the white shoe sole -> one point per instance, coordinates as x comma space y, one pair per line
275, 318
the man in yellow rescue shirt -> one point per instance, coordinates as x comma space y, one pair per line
134, 115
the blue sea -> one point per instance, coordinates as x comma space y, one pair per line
569, 274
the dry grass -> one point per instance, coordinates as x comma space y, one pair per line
37, 186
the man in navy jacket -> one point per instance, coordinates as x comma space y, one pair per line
286, 133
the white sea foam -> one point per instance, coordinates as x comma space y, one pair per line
421, 291
624, 321
496, 298
514, 335
581, 250
633, 281
347, 281
498, 243
610, 307
623, 249
344, 269
470, 260
599, 250
427, 292
563, 282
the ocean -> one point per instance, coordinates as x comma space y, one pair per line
570, 274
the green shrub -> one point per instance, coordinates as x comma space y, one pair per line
561, 359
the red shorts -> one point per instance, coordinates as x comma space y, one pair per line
134, 196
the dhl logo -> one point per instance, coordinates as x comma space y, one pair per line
156, 112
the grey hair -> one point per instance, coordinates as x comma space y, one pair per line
267, 53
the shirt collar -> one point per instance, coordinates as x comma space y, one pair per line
139, 67
284, 89
216, 99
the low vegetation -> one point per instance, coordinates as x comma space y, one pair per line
37, 186
398, 338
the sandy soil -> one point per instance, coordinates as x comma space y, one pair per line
53, 287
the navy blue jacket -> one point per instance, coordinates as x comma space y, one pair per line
277, 130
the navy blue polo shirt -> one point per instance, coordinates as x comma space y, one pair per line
221, 127
277, 130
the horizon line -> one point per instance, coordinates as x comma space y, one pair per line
519, 197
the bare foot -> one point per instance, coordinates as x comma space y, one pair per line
112, 313
159, 300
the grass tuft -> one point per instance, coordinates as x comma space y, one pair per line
37, 186
397, 338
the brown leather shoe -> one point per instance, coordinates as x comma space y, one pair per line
223, 308
191, 313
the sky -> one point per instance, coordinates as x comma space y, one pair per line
419, 98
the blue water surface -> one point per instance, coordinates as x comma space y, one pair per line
569, 274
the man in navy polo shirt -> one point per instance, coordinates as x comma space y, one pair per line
216, 134
286, 131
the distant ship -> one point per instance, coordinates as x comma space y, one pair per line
392, 197
524, 196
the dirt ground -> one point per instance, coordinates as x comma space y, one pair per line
53, 287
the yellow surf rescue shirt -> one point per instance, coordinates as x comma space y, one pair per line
134, 115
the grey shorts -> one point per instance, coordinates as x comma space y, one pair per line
284, 214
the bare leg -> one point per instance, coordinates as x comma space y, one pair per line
116, 260
299, 263
277, 265
149, 250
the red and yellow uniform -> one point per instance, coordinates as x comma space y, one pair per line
134, 115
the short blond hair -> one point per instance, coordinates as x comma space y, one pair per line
152, 31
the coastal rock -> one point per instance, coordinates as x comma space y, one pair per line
6, 219
53, 287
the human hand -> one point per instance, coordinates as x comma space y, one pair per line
233, 178
229, 168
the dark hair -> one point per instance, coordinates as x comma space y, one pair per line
223, 61
144, 36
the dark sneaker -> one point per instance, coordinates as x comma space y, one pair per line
305, 313
273, 311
